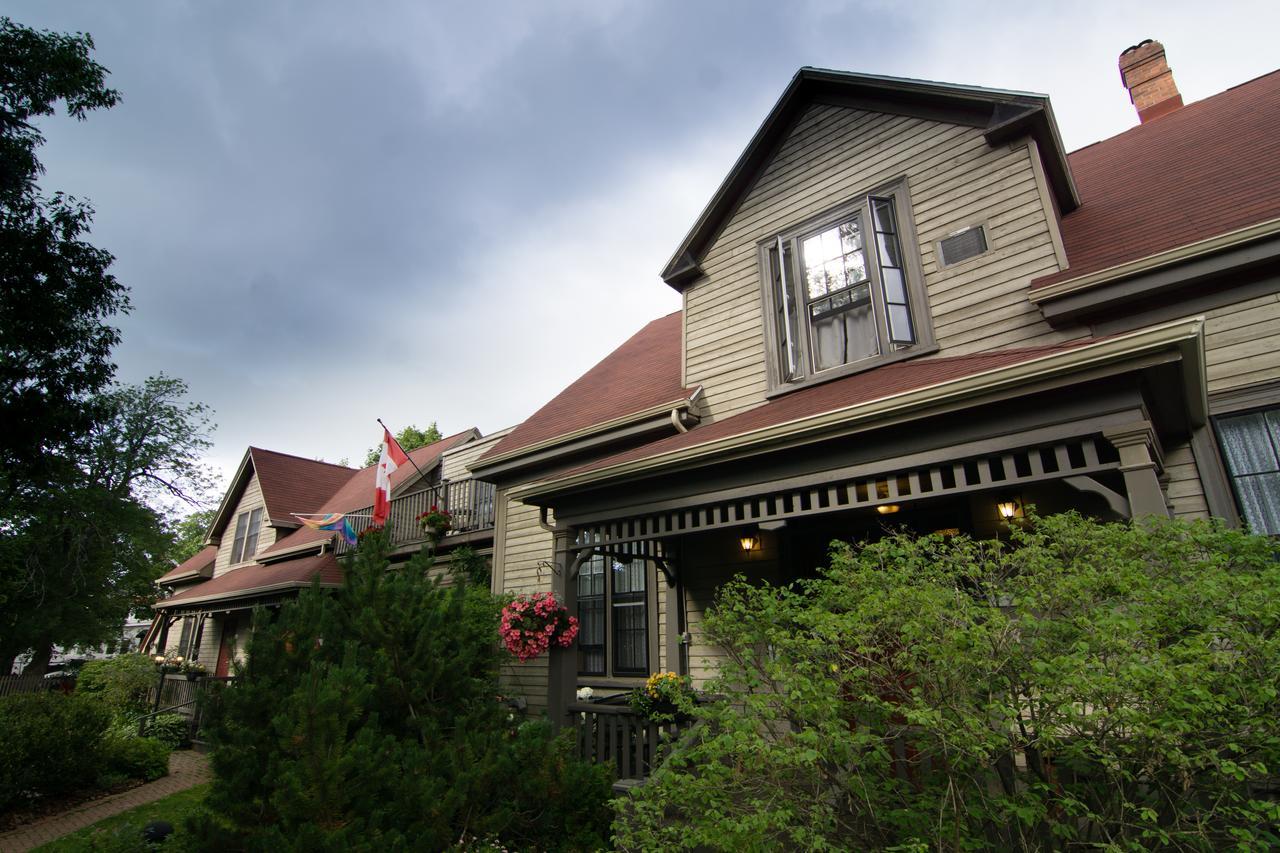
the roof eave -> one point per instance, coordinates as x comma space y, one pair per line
1111, 350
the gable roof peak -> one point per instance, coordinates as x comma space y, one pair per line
1002, 114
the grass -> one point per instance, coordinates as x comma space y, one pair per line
173, 808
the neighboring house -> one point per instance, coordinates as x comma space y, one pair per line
258, 553
907, 304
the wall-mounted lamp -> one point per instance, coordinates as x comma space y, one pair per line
887, 509
749, 541
1009, 508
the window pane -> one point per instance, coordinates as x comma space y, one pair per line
844, 337
882, 212
591, 616
237, 547
1260, 501
1248, 442
895, 287
630, 620
900, 324
784, 298
833, 259
887, 245
251, 534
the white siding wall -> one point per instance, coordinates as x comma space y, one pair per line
836, 154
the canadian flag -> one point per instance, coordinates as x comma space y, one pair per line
391, 458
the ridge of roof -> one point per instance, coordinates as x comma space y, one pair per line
643, 372
306, 459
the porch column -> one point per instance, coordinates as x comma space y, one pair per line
1141, 461
562, 675
163, 639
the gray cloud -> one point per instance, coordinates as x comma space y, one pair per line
329, 213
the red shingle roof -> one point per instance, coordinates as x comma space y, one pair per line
293, 484
257, 579
642, 373
1197, 172
192, 567
829, 396
357, 491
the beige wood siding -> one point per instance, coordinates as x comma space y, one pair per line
835, 154
526, 568
454, 462
1240, 343
1183, 488
251, 498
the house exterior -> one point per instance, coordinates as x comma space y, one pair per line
258, 553
908, 304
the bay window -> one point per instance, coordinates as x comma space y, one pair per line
845, 290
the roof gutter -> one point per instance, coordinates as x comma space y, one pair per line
1161, 260
684, 407
1186, 335
170, 604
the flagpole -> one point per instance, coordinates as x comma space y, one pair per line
421, 473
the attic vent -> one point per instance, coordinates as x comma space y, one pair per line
962, 245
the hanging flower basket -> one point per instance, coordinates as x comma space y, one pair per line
531, 624
665, 698
436, 523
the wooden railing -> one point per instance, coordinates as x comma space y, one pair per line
10, 684
470, 503
614, 734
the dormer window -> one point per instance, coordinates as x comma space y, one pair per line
844, 290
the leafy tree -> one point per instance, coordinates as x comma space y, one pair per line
1083, 685
368, 719
409, 438
77, 563
55, 343
189, 534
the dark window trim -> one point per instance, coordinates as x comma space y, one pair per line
610, 674
898, 189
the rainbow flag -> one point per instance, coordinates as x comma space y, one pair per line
335, 521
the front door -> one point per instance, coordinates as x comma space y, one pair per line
226, 647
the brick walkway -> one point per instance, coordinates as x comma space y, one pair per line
186, 770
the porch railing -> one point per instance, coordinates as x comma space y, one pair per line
614, 734
470, 503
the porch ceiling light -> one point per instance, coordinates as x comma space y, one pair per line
1009, 508
887, 509
749, 541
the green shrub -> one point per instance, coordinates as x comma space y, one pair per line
1082, 685
368, 718
170, 729
122, 682
49, 744
142, 758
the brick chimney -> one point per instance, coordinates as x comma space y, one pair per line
1150, 83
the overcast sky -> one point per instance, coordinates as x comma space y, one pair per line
330, 212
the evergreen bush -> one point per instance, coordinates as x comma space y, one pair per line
367, 719
1082, 685
49, 745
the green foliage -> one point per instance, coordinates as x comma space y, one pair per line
409, 438
1081, 685
88, 554
54, 342
172, 730
466, 566
121, 683
368, 719
189, 534
144, 758
664, 698
50, 745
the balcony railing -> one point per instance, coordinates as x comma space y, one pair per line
470, 503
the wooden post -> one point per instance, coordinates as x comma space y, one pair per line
1140, 462
562, 675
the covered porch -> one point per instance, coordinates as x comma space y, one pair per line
772, 516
